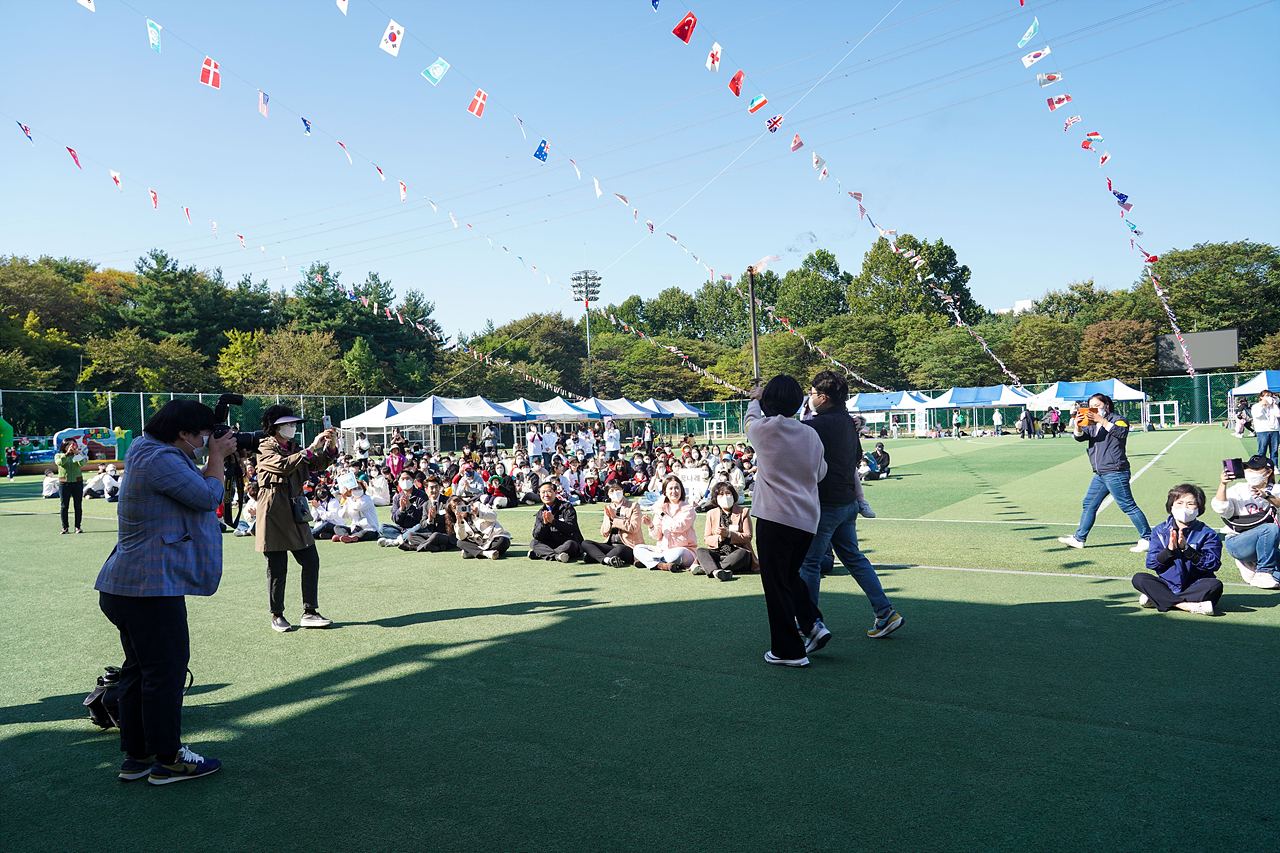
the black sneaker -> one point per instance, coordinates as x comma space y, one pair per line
314, 620
722, 575
186, 765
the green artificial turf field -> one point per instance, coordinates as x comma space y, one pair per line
532, 706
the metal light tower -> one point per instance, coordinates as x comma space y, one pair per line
586, 286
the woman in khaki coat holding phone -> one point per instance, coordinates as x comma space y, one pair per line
727, 537
283, 467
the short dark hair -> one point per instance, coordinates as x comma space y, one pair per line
724, 487
832, 385
1185, 489
782, 396
273, 414
432, 479
178, 416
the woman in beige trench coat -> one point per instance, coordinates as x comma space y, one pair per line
283, 466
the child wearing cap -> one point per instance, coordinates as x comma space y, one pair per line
1249, 510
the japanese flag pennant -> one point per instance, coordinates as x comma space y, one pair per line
391, 39
1048, 79
477, 103
210, 75
684, 29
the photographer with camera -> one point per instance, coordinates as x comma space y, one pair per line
284, 524
169, 547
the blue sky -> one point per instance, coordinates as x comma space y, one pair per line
933, 117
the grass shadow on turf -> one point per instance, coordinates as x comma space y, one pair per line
613, 726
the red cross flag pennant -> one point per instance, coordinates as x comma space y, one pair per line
713, 59
477, 103
210, 75
115, 176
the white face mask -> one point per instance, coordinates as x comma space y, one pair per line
406, 485
203, 450
1185, 514
1255, 478
288, 431
726, 502
616, 496
357, 493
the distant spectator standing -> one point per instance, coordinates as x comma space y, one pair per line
11, 460
612, 440
1266, 425
69, 458
997, 420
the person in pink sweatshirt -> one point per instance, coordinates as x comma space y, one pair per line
671, 527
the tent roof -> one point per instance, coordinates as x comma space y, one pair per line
1066, 393
432, 410
883, 402
1267, 380
376, 416
675, 408
526, 407
993, 395
560, 409
624, 409
479, 410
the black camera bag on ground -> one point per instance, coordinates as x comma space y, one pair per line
104, 702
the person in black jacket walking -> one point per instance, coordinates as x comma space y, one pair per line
1107, 434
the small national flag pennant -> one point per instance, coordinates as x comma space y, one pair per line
240, 237
855, 196
391, 39
342, 6
1032, 58
735, 84
818, 162
187, 211
215, 228
477, 103
757, 103
210, 75
1048, 79
155, 200
773, 124
435, 71
1104, 159
649, 222
262, 102
1094, 136
404, 191
380, 175
796, 144
684, 29
1032, 32
88, 4
822, 176
623, 199
1058, 101
713, 58
153, 34
115, 177
306, 127
345, 151
26, 131
541, 153
576, 170
74, 156
1070, 122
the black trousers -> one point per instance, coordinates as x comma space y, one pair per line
157, 649
429, 541
278, 569
546, 552
71, 492
738, 560
781, 550
596, 552
498, 543
1205, 589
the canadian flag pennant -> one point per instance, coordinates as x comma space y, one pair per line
240, 237
818, 162
391, 39
187, 211
713, 58
576, 170
856, 196
262, 102
342, 6
597, 183
1104, 159
623, 199
115, 177
403, 191
210, 75
735, 84
155, 200
757, 103
76, 157
380, 175
684, 29
1058, 101
477, 103
344, 150
796, 144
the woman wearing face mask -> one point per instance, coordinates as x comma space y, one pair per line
69, 459
1266, 425
407, 506
620, 528
672, 529
1249, 509
476, 527
726, 539
283, 467
1185, 554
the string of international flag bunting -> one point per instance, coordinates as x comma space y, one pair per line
393, 38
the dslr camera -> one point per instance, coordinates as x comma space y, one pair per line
246, 442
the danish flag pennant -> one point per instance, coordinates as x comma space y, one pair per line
210, 75
477, 103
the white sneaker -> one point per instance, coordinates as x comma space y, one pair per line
1264, 580
1142, 547
770, 657
1071, 540
865, 510
1247, 570
385, 542
1144, 601
490, 554
1204, 608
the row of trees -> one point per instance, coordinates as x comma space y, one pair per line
167, 327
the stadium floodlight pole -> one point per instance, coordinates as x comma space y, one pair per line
751, 308
586, 286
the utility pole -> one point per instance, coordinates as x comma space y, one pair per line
586, 286
751, 306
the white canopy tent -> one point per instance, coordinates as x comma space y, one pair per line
624, 410
993, 396
376, 417
1063, 394
906, 410
675, 408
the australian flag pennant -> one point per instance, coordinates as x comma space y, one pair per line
541, 153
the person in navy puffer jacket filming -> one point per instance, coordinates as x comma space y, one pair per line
1185, 555
169, 547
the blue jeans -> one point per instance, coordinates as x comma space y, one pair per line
837, 528
1268, 443
1256, 546
1117, 484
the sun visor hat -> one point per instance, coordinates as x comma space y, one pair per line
287, 419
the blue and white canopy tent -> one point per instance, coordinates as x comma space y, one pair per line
675, 408
1267, 380
904, 411
623, 409
1063, 394
992, 396
372, 420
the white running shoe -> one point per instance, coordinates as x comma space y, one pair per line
770, 657
1204, 608
1142, 547
1071, 540
1264, 580
1247, 570
1144, 601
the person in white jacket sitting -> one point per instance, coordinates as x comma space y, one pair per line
476, 527
358, 513
380, 487
104, 484
50, 487
1249, 510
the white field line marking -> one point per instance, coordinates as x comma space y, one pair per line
1015, 572
974, 521
1107, 501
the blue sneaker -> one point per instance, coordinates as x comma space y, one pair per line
135, 768
186, 765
